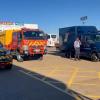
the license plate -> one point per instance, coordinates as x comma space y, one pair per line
37, 50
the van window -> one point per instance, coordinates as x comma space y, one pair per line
97, 38
86, 29
48, 36
66, 37
53, 36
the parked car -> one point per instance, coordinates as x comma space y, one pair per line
5, 58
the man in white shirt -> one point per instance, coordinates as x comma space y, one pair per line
77, 44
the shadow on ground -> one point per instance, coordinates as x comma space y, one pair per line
22, 84
62, 54
29, 58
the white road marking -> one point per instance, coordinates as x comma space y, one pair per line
47, 83
52, 81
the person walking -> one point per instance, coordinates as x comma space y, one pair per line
77, 44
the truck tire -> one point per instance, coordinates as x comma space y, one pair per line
19, 58
40, 57
9, 66
94, 57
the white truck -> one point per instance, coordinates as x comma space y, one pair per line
52, 40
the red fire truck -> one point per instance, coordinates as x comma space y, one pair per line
25, 42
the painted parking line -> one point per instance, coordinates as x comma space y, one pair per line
50, 73
53, 82
86, 77
87, 84
76, 97
94, 96
73, 77
88, 70
99, 75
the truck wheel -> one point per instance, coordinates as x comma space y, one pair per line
9, 66
40, 57
94, 57
19, 58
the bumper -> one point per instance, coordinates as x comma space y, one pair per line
5, 64
5, 60
35, 51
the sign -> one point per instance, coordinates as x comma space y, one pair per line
6, 23
83, 18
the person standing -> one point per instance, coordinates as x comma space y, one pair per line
77, 44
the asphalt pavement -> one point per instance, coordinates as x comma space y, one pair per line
15, 85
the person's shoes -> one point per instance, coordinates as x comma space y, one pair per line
78, 58
75, 59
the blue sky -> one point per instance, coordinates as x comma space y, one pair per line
51, 14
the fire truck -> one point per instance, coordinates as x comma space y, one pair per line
24, 43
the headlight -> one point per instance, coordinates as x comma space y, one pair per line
45, 47
25, 47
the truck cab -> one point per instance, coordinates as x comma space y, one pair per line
90, 40
29, 42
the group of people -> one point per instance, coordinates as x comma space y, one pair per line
77, 44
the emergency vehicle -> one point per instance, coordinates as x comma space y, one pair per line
24, 42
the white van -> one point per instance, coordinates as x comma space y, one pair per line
52, 39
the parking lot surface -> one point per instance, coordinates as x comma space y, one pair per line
19, 85
82, 77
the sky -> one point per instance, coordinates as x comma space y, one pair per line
51, 15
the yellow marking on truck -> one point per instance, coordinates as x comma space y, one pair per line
73, 77
36, 43
30, 43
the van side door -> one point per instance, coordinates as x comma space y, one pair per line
85, 46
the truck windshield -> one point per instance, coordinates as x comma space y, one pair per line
34, 35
